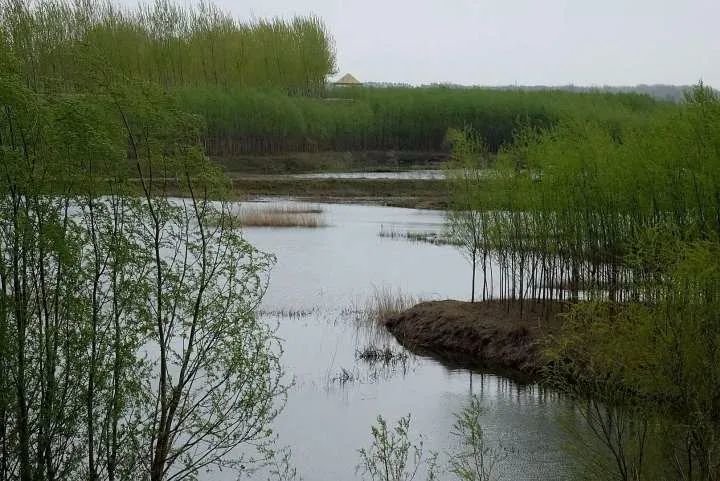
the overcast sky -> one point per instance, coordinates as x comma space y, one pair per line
524, 42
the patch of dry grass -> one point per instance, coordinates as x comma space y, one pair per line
385, 302
278, 216
292, 209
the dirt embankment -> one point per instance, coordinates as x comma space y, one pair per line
492, 334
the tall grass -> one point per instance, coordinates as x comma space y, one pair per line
429, 237
280, 216
386, 302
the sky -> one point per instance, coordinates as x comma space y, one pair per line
515, 42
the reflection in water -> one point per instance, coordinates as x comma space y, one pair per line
319, 287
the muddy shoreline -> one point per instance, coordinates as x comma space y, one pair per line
354, 161
489, 335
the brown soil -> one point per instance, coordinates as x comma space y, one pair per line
305, 162
489, 335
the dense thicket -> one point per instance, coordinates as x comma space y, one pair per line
627, 220
241, 121
587, 194
165, 43
129, 345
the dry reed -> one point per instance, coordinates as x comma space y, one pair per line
385, 302
278, 216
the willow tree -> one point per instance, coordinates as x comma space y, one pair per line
467, 217
129, 347
169, 44
215, 381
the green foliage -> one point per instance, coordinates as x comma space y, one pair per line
242, 120
467, 217
636, 213
261, 85
392, 456
167, 44
129, 347
624, 216
476, 458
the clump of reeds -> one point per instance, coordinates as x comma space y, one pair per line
429, 237
385, 302
293, 209
277, 216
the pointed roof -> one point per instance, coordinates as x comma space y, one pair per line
348, 79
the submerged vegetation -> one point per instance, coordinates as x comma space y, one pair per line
383, 355
430, 237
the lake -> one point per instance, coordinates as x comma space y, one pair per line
322, 279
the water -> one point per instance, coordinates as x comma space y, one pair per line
328, 274
402, 175
420, 174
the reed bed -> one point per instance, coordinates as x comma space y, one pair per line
293, 210
280, 217
428, 237
385, 302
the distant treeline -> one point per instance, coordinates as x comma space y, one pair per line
670, 93
166, 44
261, 85
247, 121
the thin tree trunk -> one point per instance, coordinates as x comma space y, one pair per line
474, 256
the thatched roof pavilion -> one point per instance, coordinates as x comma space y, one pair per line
347, 80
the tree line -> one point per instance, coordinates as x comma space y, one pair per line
620, 227
253, 121
168, 44
262, 86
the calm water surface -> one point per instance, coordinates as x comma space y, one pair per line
402, 175
329, 274
426, 174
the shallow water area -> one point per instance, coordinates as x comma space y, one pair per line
322, 281
394, 175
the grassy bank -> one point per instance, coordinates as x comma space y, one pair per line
494, 335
